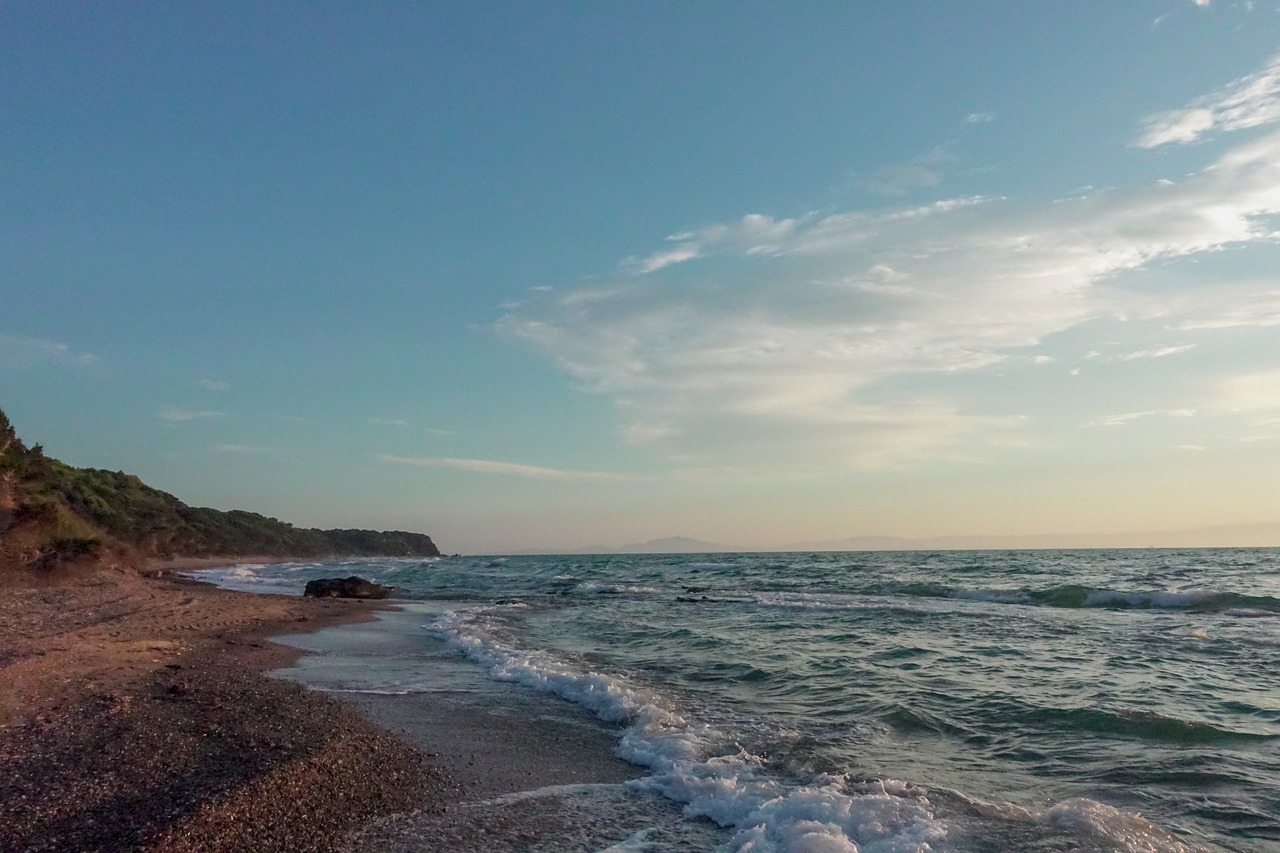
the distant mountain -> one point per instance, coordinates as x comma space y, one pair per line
53, 515
1220, 536
667, 545
670, 545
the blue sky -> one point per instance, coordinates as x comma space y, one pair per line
547, 275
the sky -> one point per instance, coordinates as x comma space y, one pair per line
547, 275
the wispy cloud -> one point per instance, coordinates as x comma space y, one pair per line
806, 329
664, 258
754, 234
19, 353
243, 449
923, 172
979, 118
1128, 417
394, 422
1240, 306
1158, 352
214, 384
1251, 101
511, 469
177, 415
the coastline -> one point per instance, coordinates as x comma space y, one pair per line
157, 712
135, 714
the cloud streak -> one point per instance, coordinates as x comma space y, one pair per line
847, 338
510, 469
20, 353
1251, 101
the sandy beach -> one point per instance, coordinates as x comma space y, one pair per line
135, 715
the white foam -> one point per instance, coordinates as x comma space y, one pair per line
1123, 831
808, 600
620, 588
246, 577
734, 790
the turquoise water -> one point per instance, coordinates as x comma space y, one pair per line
975, 701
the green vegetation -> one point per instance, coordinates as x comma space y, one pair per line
52, 514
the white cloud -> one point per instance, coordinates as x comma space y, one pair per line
979, 118
245, 449
513, 469
1127, 417
805, 329
1251, 101
20, 353
1158, 352
395, 422
665, 258
214, 384
182, 415
753, 235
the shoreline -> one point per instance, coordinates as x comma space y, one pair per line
160, 712
136, 713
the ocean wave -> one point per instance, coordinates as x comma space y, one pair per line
1077, 596
1130, 723
716, 778
1072, 596
689, 762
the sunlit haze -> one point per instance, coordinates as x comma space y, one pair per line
562, 275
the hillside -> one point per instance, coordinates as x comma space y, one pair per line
53, 515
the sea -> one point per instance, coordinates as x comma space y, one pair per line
884, 702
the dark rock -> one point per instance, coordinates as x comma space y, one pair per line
352, 587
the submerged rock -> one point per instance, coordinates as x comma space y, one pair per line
352, 587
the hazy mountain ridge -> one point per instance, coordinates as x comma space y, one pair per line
1218, 536
54, 515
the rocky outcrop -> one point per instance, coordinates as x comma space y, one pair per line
352, 587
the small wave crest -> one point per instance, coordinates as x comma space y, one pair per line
616, 588
693, 764
1077, 596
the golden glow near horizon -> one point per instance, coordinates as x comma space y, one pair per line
824, 273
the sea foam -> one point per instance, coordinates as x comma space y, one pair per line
702, 768
733, 788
